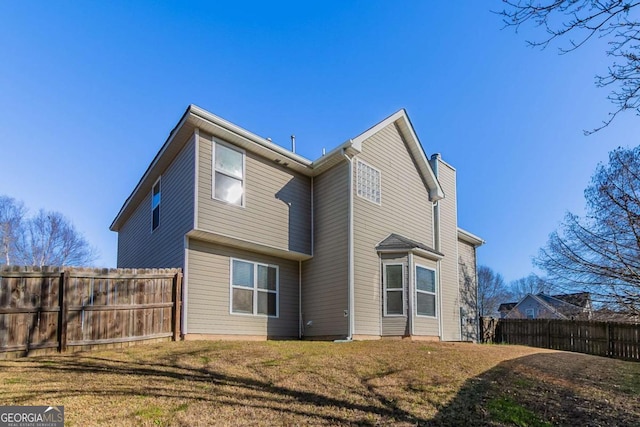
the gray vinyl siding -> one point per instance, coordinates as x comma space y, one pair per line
426, 326
138, 246
468, 290
208, 294
450, 302
277, 205
540, 311
326, 275
405, 209
396, 325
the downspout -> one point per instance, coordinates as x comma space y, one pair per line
437, 243
300, 299
300, 319
351, 303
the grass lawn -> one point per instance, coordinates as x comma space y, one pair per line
321, 383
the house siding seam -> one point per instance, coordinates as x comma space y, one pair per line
209, 294
405, 209
277, 205
138, 246
325, 277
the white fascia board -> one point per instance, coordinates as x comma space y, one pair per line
150, 169
204, 114
471, 238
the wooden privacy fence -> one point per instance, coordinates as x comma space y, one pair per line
610, 339
65, 309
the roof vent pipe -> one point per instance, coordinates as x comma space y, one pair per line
324, 151
293, 143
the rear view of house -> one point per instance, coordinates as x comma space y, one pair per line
361, 243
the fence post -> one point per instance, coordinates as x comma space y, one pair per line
609, 340
177, 306
64, 312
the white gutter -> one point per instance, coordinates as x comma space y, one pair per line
219, 121
351, 292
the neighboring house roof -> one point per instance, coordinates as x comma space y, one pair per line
470, 238
198, 118
553, 304
397, 243
580, 299
507, 306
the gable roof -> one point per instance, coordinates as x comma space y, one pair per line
397, 243
507, 306
541, 302
197, 118
404, 126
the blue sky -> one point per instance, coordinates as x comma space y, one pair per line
89, 92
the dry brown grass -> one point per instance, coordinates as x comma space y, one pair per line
321, 383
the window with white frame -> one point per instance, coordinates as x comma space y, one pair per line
368, 182
393, 278
254, 288
425, 291
228, 175
155, 205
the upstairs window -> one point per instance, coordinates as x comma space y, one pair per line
368, 182
425, 292
228, 176
254, 288
155, 205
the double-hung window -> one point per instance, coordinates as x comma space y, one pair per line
425, 291
254, 288
228, 175
155, 205
393, 289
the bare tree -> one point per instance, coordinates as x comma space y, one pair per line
48, 238
12, 213
492, 291
578, 21
531, 284
601, 253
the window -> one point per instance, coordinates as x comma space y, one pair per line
155, 205
228, 176
425, 291
393, 289
254, 288
530, 313
368, 182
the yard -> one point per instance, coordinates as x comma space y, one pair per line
321, 383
